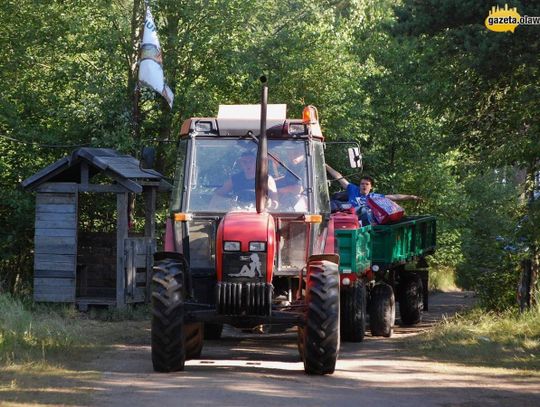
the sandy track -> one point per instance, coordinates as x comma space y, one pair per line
249, 370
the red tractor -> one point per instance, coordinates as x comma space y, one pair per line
250, 241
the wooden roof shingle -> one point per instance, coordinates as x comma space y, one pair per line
106, 160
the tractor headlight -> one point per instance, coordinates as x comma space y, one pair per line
257, 246
231, 246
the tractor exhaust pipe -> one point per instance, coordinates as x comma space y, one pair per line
261, 171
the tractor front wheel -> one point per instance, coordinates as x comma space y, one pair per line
320, 336
168, 329
382, 310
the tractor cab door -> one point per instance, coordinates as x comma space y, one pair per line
321, 197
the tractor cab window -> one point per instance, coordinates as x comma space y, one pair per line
287, 165
216, 163
223, 175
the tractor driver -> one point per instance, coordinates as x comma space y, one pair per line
241, 185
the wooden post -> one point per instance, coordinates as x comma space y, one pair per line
121, 235
150, 234
84, 174
149, 212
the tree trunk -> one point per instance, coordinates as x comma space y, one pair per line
535, 289
529, 287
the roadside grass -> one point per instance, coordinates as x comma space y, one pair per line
43, 346
508, 340
28, 334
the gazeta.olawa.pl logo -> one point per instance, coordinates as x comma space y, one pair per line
507, 19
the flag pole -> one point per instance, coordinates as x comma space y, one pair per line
136, 114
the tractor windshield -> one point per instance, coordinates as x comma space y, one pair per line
223, 175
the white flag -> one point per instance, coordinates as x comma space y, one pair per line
150, 63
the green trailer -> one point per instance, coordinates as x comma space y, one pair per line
385, 263
354, 245
402, 242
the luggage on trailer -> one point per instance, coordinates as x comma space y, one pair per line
385, 210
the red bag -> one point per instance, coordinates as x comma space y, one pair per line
385, 210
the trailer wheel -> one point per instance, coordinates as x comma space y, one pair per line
411, 299
382, 310
321, 331
168, 330
353, 312
425, 292
213, 331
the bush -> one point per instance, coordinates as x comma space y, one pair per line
497, 289
490, 216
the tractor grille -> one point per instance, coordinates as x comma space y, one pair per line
244, 298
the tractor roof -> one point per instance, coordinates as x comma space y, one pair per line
239, 120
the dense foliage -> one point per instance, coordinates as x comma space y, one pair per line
442, 107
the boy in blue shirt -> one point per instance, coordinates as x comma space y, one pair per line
358, 195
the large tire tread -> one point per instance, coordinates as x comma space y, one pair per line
194, 340
321, 333
382, 310
168, 341
353, 312
411, 299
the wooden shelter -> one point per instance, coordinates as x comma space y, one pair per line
93, 267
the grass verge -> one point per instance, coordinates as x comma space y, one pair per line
43, 346
28, 334
509, 340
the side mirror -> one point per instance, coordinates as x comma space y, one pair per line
355, 158
148, 157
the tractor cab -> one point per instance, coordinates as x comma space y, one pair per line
216, 176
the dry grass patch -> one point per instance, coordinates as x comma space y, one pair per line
508, 340
42, 349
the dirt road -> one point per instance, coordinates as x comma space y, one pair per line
250, 370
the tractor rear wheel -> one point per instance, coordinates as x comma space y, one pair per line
353, 312
300, 342
194, 340
168, 329
213, 331
382, 310
321, 331
411, 299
